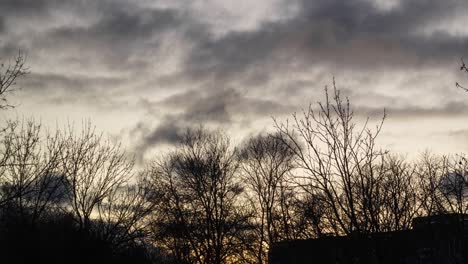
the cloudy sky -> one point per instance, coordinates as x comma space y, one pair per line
143, 70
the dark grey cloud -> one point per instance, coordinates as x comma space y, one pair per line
120, 26
104, 52
211, 107
217, 105
39, 82
336, 34
120, 39
2, 25
183, 111
22, 7
340, 34
194, 109
232, 55
450, 109
169, 130
73, 89
116, 39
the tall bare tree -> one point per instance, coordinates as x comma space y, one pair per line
339, 162
202, 221
10, 72
31, 176
94, 169
266, 162
399, 194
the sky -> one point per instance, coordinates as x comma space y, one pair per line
144, 70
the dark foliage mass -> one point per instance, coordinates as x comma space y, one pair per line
75, 197
56, 239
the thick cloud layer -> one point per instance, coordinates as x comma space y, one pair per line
181, 63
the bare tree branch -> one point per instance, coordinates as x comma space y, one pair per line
9, 74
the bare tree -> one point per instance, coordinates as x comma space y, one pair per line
9, 74
454, 185
338, 161
94, 170
310, 211
200, 218
266, 162
31, 178
443, 184
399, 193
122, 213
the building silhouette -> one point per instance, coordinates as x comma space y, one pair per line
432, 240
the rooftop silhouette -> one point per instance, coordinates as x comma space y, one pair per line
434, 239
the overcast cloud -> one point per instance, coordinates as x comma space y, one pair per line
152, 68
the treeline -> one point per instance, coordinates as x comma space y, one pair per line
75, 197
78, 196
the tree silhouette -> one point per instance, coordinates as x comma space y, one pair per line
340, 162
94, 170
266, 162
202, 221
10, 72
464, 69
31, 176
443, 184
